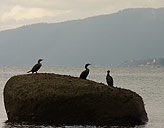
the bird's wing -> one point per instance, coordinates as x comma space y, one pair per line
35, 67
82, 74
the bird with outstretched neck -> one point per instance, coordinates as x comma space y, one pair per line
36, 67
109, 79
85, 73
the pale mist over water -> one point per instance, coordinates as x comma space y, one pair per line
146, 81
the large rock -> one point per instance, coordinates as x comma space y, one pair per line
61, 99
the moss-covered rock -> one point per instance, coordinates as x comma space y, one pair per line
61, 99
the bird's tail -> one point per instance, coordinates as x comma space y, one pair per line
29, 71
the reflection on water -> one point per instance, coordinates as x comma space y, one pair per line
147, 82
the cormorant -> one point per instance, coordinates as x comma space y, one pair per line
85, 73
109, 79
36, 67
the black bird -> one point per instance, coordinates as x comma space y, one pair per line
109, 79
36, 67
85, 73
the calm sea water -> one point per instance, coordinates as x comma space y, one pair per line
146, 81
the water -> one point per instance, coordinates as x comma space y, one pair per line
146, 81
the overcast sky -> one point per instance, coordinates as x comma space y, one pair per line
15, 13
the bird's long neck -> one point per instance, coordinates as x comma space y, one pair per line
39, 62
108, 74
86, 67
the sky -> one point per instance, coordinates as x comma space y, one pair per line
16, 13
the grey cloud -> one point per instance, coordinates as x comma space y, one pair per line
76, 8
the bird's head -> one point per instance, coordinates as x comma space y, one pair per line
108, 71
87, 65
40, 60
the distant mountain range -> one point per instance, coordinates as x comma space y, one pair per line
100, 40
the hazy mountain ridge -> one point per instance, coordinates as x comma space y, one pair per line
106, 40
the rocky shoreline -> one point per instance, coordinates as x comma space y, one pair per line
61, 99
